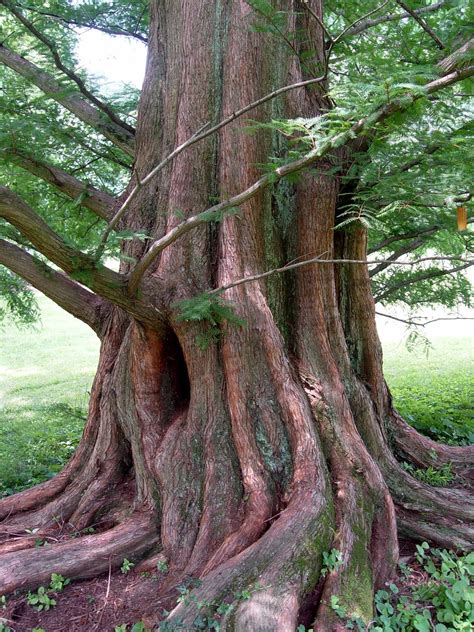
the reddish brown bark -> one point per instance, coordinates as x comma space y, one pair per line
243, 461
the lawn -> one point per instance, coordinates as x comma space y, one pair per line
45, 379
46, 375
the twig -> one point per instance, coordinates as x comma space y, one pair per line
426, 322
318, 260
107, 592
316, 17
361, 19
424, 25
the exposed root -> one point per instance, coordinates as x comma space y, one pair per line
424, 452
79, 558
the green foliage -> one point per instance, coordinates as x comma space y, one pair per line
4, 628
17, 300
443, 603
127, 566
332, 560
437, 477
209, 613
162, 566
212, 311
58, 582
40, 600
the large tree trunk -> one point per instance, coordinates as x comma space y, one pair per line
245, 459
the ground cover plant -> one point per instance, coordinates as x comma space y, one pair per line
239, 423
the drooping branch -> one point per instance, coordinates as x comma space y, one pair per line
99, 202
424, 25
66, 293
75, 263
64, 69
429, 274
73, 102
322, 148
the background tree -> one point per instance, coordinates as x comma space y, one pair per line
239, 421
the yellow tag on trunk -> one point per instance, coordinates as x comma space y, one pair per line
462, 217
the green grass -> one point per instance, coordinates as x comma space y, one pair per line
46, 375
45, 379
435, 392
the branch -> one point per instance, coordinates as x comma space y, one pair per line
430, 274
63, 291
319, 260
197, 137
97, 201
67, 71
413, 245
74, 262
73, 102
321, 149
110, 30
390, 17
424, 25
412, 235
422, 324
462, 55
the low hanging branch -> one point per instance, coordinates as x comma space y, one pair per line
414, 323
77, 264
66, 293
323, 148
320, 261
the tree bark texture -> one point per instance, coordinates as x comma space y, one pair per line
243, 460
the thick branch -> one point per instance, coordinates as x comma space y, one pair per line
66, 293
430, 274
324, 147
97, 201
462, 55
67, 71
98, 278
424, 25
73, 102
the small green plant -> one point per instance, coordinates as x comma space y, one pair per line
127, 566
4, 627
38, 630
210, 309
443, 603
58, 582
162, 566
41, 600
3, 602
437, 477
332, 560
